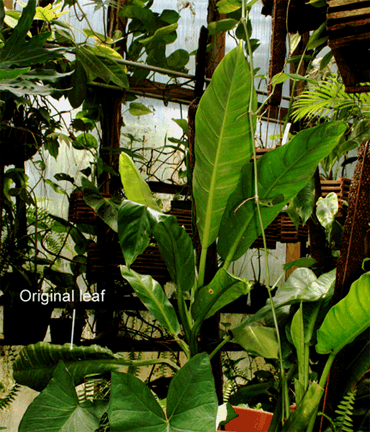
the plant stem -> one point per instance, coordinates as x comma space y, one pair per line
245, 13
220, 345
322, 383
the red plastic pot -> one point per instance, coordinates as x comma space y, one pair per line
249, 420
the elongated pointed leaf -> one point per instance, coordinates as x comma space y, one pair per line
105, 208
222, 141
177, 251
36, 363
134, 229
152, 295
282, 173
301, 416
136, 189
223, 289
191, 402
57, 408
347, 319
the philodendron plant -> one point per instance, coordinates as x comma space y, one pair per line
234, 200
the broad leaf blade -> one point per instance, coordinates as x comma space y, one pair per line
223, 289
106, 209
134, 229
191, 401
136, 189
282, 173
176, 249
222, 141
347, 319
36, 363
258, 341
57, 409
152, 295
326, 210
133, 407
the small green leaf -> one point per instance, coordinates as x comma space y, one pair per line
85, 141
300, 262
183, 124
160, 33
136, 189
228, 6
56, 187
258, 341
221, 26
326, 210
138, 109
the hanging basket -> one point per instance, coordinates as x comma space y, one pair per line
289, 233
341, 188
348, 26
80, 212
105, 258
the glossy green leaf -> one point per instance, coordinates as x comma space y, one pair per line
145, 15
136, 189
57, 409
347, 319
35, 365
183, 124
221, 26
191, 401
228, 6
326, 210
178, 59
134, 229
56, 187
160, 34
282, 173
222, 142
177, 251
138, 109
104, 68
85, 141
300, 262
105, 208
258, 341
304, 201
223, 289
153, 297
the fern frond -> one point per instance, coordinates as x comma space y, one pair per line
7, 400
343, 421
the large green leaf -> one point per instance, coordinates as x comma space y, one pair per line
105, 208
134, 229
191, 402
223, 289
282, 173
57, 409
105, 68
347, 319
152, 295
136, 189
222, 141
36, 363
258, 341
177, 250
